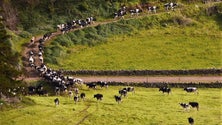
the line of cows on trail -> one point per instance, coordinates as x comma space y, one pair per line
80, 23
69, 85
150, 8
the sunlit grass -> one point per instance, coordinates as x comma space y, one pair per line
146, 106
170, 48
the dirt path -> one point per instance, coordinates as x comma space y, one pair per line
148, 79
152, 79
31, 74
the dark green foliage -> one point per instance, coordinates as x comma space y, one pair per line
8, 60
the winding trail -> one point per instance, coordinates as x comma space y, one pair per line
31, 74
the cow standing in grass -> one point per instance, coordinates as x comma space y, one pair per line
56, 101
123, 92
184, 105
191, 89
76, 99
190, 120
129, 89
165, 90
194, 105
83, 96
98, 96
118, 98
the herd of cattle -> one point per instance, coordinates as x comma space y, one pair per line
74, 24
70, 85
143, 7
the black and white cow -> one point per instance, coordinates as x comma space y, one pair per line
76, 99
152, 9
170, 5
118, 98
165, 89
184, 105
91, 85
191, 89
56, 101
190, 120
129, 89
102, 84
194, 105
135, 12
98, 96
120, 13
76, 91
83, 96
123, 92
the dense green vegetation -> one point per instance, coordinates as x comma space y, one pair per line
9, 66
147, 106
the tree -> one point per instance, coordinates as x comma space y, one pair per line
8, 60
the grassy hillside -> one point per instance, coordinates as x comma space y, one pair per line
76, 50
147, 106
179, 40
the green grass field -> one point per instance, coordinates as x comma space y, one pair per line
170, 48
147, 106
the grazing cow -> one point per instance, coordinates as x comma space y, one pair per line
123, 92
98, 96
194, 105
184, 105
102, 84
76, 91
91, 85
82, 96
190, 120
129, 89
56, 101
170, 5
191, 89
76, 99
118, 98
165, 89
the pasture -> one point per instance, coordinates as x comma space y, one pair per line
147, 106
171, 48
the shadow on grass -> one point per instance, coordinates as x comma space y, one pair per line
218, 19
